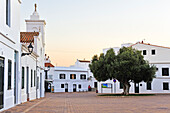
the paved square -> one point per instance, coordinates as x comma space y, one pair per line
89, 102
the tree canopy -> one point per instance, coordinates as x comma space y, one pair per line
127, 66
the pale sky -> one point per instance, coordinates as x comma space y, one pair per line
78, 29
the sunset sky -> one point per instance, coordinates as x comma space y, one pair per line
78, 29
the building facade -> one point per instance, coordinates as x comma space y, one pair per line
85, 64
75, 78
28, 67
33, 75
156, 55
9, 53
69, 79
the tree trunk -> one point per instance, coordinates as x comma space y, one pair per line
126, 87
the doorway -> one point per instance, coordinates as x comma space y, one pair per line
47, 86
74, 87
66, 87
95, 85
15, 77
40, 84
136, 87
1, 82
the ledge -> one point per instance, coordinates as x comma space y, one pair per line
7, 38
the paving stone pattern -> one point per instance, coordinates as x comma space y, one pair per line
89, 102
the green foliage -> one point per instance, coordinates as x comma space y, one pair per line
131, 66
128, 65
102, 66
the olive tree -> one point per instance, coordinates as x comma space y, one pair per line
128, 66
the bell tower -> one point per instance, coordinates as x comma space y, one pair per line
35, 24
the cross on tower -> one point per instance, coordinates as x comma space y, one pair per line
35, 7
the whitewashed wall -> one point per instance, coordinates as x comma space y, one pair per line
55, 72
9, 43
85, 65
37, 25
161, 60
28, 61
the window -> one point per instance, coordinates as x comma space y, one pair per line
148, 86
144, 52
62, 85
9, 73
121, 85
62, 76
72, 76
82, 76
8, 12
34, 77
153, 52
165, 86
23, 76
31, 78
79, 86
165, 71
95, 84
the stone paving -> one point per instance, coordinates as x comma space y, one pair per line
89, 102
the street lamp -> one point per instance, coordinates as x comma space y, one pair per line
46, 70
30, 49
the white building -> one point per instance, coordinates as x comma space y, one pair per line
69, 79
28, 67
157, 55
10, 78
75, 78
33, 75
85, 64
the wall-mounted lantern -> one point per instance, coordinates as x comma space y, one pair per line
30, 49
46, 71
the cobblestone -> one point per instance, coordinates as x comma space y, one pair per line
89, 102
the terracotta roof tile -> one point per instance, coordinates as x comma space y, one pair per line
84, 61
149, 45
28, 37
48, 65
